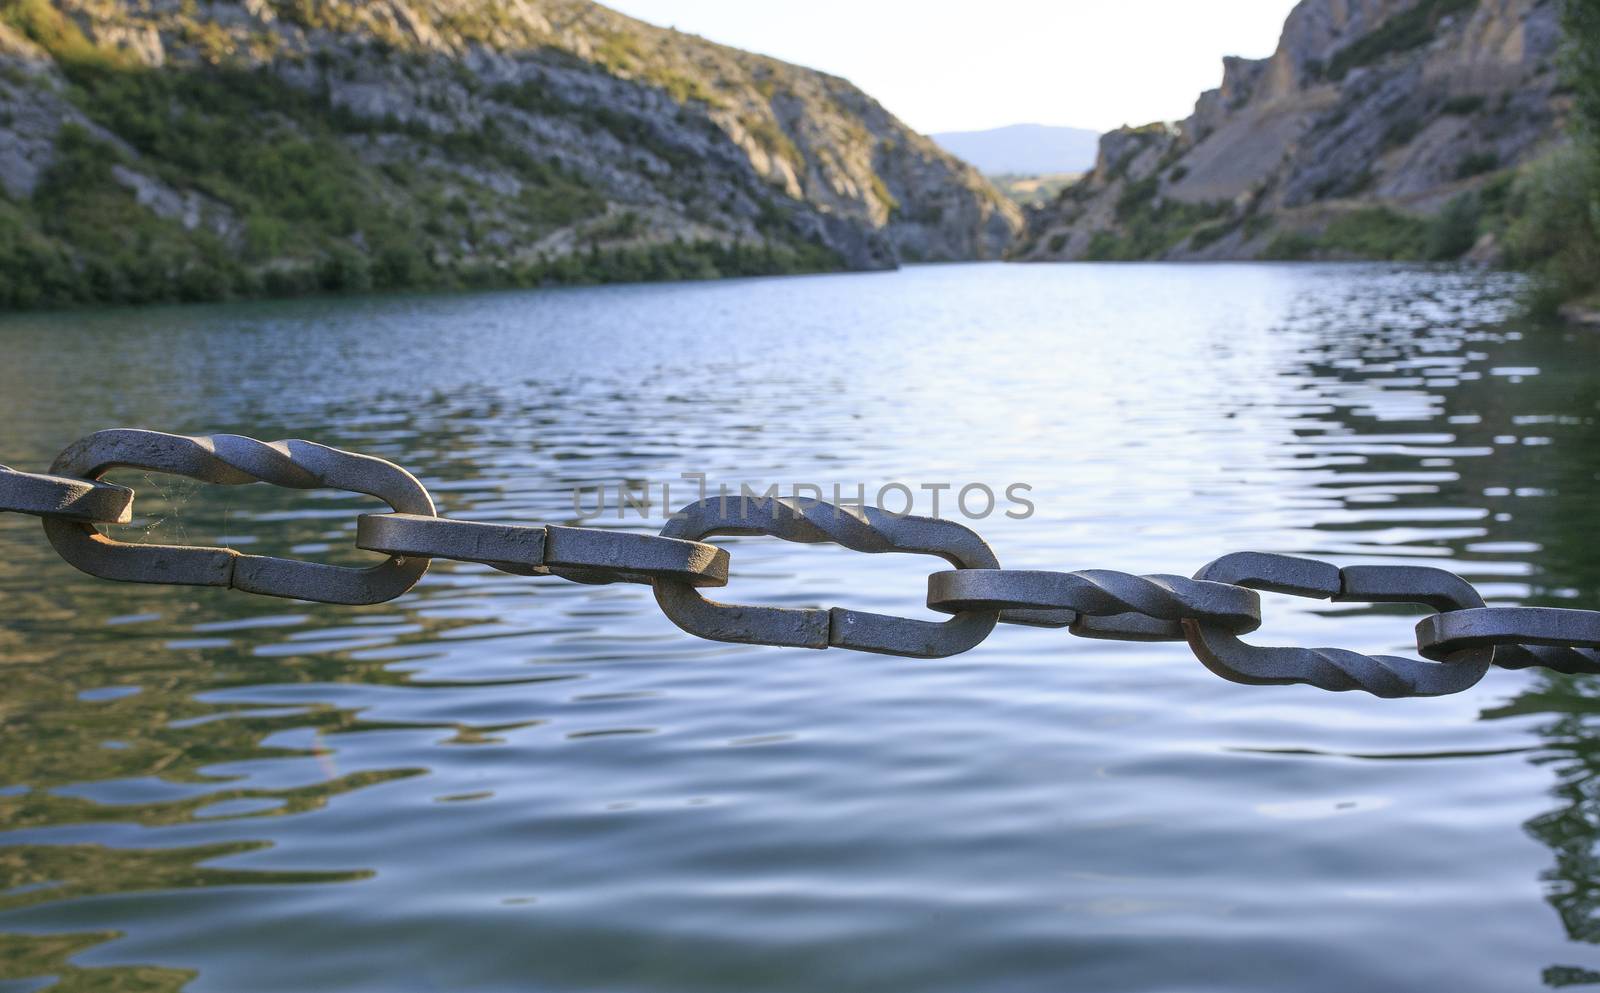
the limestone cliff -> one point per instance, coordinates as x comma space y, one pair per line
269, 145
1370, 115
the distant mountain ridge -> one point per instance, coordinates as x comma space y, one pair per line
1023, 149
200, 150
1371, 120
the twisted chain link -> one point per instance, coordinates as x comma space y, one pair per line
1221, 651
1121, 603
1458, 642
864, 529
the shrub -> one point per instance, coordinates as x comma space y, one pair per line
1290, 246
1555, 226
1554, 204
1454, 230
1148, 227
1210, 234
57, 34
880, 190
1369, 233
774, 140
1103, 247
1377, 233
1135, 195
1581, 21
1462, 106
1404, 31
1476, 164
1400, 132
344, 270
1344, 184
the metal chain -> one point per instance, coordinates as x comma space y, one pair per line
864, 529
1458, 642
63, 498
1552, 637
1122, 605
1221, 651
583, 555
232, 460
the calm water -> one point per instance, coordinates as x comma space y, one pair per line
498, 783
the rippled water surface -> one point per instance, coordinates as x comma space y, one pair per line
502, 783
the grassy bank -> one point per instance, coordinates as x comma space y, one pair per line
1381, 233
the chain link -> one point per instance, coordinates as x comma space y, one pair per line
233, 460
583, 555
1552, 637
1123, 604
1221, 651
64, 498
1563, 658
1458, 641
861, 529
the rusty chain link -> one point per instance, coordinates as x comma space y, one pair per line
1458, 642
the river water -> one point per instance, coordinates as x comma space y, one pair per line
502, 783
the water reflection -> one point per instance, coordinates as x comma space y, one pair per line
1537, 493
1568, 709
496, 781
1537, 496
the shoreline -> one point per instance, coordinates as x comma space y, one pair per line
1590, 310
1582, 313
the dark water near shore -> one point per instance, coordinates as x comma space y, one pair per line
500, 783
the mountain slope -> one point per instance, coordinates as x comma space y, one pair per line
1371, 116
1023, 149
193, 151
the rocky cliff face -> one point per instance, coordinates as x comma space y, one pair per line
372, 141
1371, 113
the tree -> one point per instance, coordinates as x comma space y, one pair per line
1581, 21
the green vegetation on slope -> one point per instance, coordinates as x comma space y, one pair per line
279, 202
1408, 29
1556, 227
1556, 230
1382, 233
1369, 233
1149, 224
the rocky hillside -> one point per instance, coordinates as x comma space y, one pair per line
1378, 128
187, 150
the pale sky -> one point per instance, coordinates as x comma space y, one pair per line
941, 65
